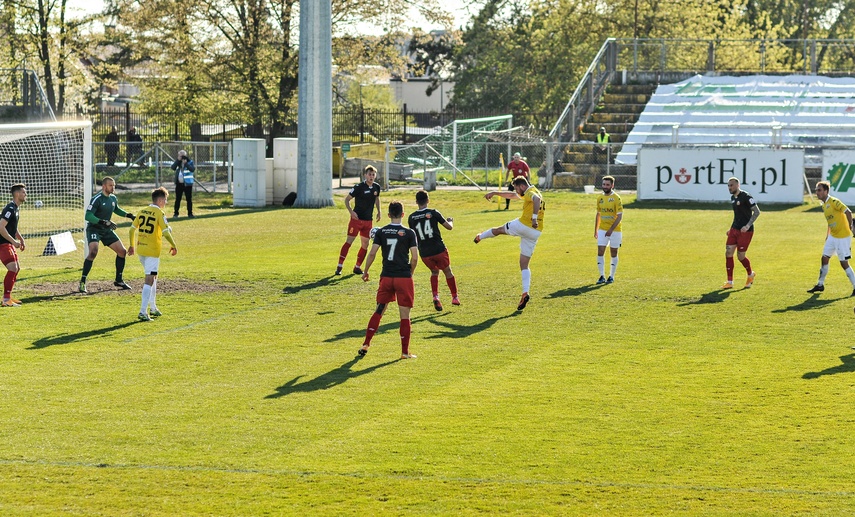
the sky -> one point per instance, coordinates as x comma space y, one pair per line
457, 7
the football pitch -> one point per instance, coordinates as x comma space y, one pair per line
658, 394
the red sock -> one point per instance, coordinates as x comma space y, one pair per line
343, 253
373, 324
728, 263
9, 283
434, 285
452, 286
361, 256
405, 336
747, 264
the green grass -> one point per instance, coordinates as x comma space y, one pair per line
656, 395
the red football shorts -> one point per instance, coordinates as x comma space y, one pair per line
392, 288
738, 238
439, 261
358, 226
8, 253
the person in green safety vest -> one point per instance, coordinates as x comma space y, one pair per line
602, 147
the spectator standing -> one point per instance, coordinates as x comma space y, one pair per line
838, 237
134, 143
10, 239
146, 237
184, 178
400, 258
528, 228
745, 212
367, 196
518, 168
111, 148
99, 228
426, 222
607, 229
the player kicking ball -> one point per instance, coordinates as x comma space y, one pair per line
528, 228
147, 232
400, 258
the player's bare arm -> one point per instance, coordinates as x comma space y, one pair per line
368, 261
377, 207
535, 208
414, 259
21, 240
347, 200
755, 213
503, 194
6, 235
448, 224
596, 224
615, 224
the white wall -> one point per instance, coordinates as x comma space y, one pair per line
412, 93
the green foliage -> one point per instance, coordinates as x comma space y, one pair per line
659, 394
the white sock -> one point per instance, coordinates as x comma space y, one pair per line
823, 271
614, 267
146, 294
486, 234
151, 302
850, 274
601, 264
526, 280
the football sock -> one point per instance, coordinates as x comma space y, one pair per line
146, 296
613, 270
9, 283
526, 280
405, 336
434, 285
343, 253
120, 267
360, 256
87, 267
823, 271
601, 265
152, 299
486, 234
746, 264
373, 324
850, 274
728, 264
452, 285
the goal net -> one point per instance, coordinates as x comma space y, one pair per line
54, 161
459, 144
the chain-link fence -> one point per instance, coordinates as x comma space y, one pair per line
144, 164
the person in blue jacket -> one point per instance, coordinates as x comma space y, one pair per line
184, 169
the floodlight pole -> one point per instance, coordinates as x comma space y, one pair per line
314, 115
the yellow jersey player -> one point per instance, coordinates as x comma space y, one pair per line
839, 237
528, 228
147, 233
607, 228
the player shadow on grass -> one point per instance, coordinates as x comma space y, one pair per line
717, 296
464, 331
294, 289
327, 380
576, 291
848, 366
64, 339
813, 302
393, 324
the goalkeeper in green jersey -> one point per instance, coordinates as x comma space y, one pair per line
99, 228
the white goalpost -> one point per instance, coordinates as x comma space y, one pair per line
54, 161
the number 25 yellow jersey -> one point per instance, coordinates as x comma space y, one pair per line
150, 227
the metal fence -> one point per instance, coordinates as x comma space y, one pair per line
150, 164
349, 125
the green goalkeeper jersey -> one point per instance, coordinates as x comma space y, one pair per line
103, 207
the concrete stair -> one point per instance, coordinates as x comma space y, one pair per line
618, 112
